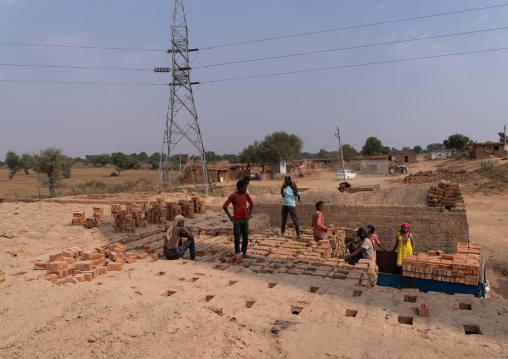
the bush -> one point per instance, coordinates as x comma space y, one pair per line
488, 165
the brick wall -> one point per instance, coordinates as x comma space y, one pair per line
432, 228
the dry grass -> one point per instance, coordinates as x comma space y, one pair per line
83, 181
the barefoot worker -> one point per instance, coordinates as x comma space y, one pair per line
289, 192
173, 246
240, 216
364, 248
318, 222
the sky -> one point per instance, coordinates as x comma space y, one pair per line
402, 103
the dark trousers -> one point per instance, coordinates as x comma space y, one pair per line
188, 244
356, 258
241, 229
292, 211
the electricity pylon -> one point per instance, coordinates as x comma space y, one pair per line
181, 118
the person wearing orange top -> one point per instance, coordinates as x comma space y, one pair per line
318, 222
375, 240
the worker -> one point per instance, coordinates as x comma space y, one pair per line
289, 192
361, 248
404, 244
318, 223
173, 246
375, 240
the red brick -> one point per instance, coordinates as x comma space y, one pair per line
41, 266
114, 266
58, 265
87, 275
84, 265
102, 270
143, 255
55, 257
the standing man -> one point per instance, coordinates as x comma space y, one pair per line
318, 222
240, 216
289, 192
173, 246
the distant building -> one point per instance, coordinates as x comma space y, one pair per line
442, 154
486, 149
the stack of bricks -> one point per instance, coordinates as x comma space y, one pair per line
124, 221
187, 207
199, 205
445, 194
115, 208
78, 218
157, 214
138, 216
92, 222
76, 264
98, 212
131, 206
463, 267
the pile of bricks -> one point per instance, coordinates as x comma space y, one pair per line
78, 218
78, 264
199, 205
92, 222
445, 194
157, 213
131, 206
463, 267
124, 221
98, 212
115, 208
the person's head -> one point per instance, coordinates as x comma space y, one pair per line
246, 179
320, 205
404, 228
371, 229
362, 232
179, 220
287, 180
241, 186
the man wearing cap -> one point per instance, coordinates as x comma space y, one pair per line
173, 246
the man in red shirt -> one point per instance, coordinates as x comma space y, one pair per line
240, 216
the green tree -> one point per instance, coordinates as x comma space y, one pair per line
456, 141
122, 162
279, 146
501, 137
323, 154
348, 152
372, 147
143, 157
250, 154
212, 157
231, 158
406, 149
435, 146
154, 160
53, 167
26, 163
12, 161
417, 149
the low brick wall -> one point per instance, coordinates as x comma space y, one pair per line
432, 228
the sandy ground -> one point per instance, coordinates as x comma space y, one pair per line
210, 314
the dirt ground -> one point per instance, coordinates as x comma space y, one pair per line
235, 314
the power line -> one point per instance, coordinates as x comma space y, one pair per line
352, 47
355, 27
80, 47
354, 65
79, 67
83, 82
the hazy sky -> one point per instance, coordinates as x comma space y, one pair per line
404, 103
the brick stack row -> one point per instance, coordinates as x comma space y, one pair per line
78, 218
91, 222
78, 264
199, 205
98, 212
445, 194
461, 267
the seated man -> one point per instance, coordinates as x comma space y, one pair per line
364, 248
173, 246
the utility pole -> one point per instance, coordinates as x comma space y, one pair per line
341, 154
504, 137
181, 118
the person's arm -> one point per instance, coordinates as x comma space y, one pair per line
282, 189
186, 233
358, 250
321, 222
225, 207
251, 205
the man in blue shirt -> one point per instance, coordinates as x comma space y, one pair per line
289, 191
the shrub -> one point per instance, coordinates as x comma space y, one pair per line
488, 165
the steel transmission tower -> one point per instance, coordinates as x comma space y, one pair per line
181, 119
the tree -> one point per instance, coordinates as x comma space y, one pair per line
231, 158
212, 157
154, 160
249, 154
417, 149
26, 163
372, 147
456, 141
501, 137
435, 146
143, 157
323, 154
348, 152
406, 150
122, 162
53, 167
12, 161
279, 146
